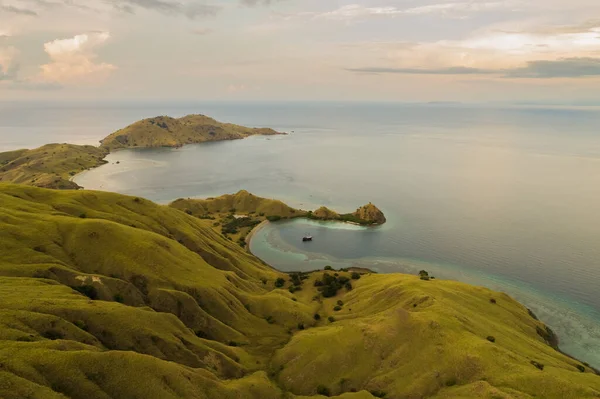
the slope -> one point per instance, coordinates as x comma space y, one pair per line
49, 166
107, 296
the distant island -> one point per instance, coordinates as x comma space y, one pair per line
164, 131
54, 165
236, 215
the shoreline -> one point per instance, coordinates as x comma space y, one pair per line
250, 235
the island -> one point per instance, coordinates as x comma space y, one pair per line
236, 215
54, 165
164, 131
104, 295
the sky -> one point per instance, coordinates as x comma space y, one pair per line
301, 50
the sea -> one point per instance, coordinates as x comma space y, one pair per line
502, 196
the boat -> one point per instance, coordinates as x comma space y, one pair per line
307, 238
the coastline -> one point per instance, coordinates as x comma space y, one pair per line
251, 235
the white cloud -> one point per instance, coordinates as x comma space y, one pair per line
8, 64
453, 10
73, 60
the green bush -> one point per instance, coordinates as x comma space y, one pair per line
328, 268
317, 316
331, 319
348, 286
81, 324
355, 276
273, 218
233, 343
300, 326
340, 302
87, 290
493, 301
119, 298
279, 282
491, 339
451, 382
337, 308
323, 390
53, 335
580, 368
378, 394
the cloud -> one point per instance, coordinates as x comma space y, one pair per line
562, 68
17, 10
73, 60
254, 3
458, 70
202, 31
539, 69
452, 10
191, 10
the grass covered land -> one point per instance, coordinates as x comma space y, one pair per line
235, 215
50, 166
164, 131
108, 296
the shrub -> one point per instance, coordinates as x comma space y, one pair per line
348, 286
273, 218
330, 291
580, 368
188, 211
337, 308
328, 268
451, 382
493, 301
270, 319
279, 282
343, 279
378, 394
355, 276
537, 364
261, 214
323, 390
300, 326
317, 316
201, 334
294, 288
491, 339
340, 303
81, 324
263, 280
87, 290
331, 319
53, 335
233, 343
119, 298
82, 215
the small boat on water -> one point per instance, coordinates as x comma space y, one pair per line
307, 238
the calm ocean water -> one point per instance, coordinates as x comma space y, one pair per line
508, 198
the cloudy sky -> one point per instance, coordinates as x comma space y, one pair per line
404, 50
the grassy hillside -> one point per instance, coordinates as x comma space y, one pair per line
108, 296
50, 166
164, 131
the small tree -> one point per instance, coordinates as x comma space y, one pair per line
355, 276
279, 282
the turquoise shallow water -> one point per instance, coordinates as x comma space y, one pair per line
506, 198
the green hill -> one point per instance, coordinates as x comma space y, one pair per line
109, 296
164, 131
49, 166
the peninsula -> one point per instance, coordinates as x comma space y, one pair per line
109, 296
53, 165
236, 215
